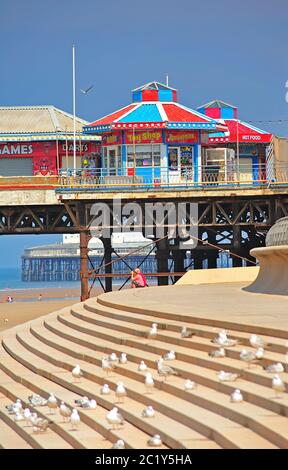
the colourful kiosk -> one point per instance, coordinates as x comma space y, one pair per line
241, 138
154, 139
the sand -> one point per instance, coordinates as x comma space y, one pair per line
26, 305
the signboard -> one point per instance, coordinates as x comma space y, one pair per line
113, 138
181, 137
143, 137
40, 149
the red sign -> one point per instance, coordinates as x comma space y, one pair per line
113, 138
39, 149
182, 137
143, 137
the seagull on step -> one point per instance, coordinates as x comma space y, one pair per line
217, 353
107, 365
152, 333
105, 390
154, 441
37, 400
120, 444
113, 358
260, 353
64, 411
278, 385
169, 356
27, 415
18, 417
120, 392
14, 407
248, 356
149, 382
164, 370
123, 358
81, 401
257, 342
75, 419
148, 412
52, 403
142, 367
274, 368
115, 418
186, 332
41, 424
227, 376
77, 373
89, 405
223, 340
236, 396
190, 385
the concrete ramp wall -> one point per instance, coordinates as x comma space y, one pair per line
219, 275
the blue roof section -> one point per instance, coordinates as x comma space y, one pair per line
144, 113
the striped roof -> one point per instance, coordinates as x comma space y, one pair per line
154, 114
240, 131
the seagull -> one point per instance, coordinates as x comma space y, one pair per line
190, 385
88, 90
32, 419
148, 412
77, 373
120, 444
278, 385
64, 411
154, 441
40, 424
223, 340
257, 342
165, 370
274, 368
14, 407
248, 356
107, 365
113, 358
27, 415
186, 332
75, 419
52, 403
149, 382
217, 353
142, 367
114, 417
37, 400
227, 376
120, 391
105, 390
89, 405
236, 396
81, 401
169, 356
152, 333
123, 358
260, 353
18, 417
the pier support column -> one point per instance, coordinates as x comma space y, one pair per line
179, 260
162, 257
108, 264
84, 278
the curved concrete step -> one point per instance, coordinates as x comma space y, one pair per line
246, 433
132, 435
254, 393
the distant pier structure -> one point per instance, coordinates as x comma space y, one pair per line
61, 261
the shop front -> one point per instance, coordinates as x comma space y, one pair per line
154, 139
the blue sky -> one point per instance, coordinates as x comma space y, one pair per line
235, 51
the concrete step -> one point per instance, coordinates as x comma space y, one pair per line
10, 439
254, 393
166, 399
133, 437
275, 352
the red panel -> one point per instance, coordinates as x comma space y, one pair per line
177, 114
150, 95
112, 117
112, 138
190, 137
245, 133
174, 94
214, 113
143, 137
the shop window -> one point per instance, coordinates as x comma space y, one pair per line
146, 155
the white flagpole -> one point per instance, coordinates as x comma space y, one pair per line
74, 111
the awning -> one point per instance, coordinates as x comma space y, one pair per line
240, 131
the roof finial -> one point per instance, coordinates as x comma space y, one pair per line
167, 79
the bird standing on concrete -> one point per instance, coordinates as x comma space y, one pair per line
123, 358
164, 370
142, 367
89, 405
64, 411
236, 396
75, 419
152, 333
120, 444
155, 441
257, 342
115, 418
77, 373
120, 392
149, 382
278, 385
186, 332
217, 353
80, 401
148, 412
248, 356
52, 403
189, 385
105, 390
169, 356
107, 365
113, 358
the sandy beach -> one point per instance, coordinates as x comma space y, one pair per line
26, 305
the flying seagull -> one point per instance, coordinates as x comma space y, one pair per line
85, 92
